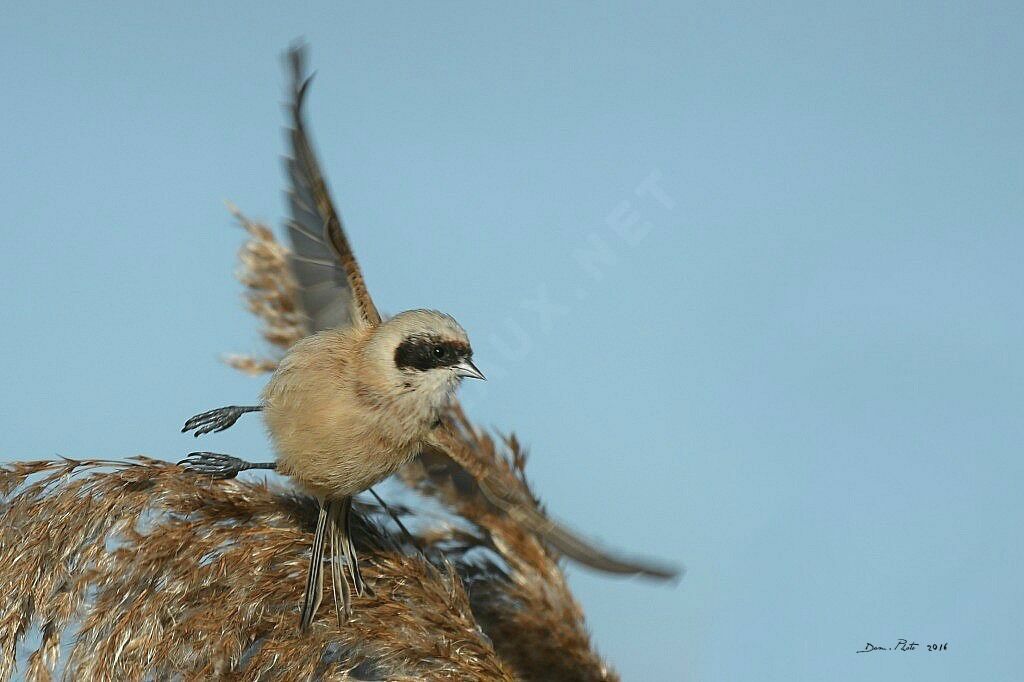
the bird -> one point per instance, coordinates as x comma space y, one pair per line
361, 396
347, 407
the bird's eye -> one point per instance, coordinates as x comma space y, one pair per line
438, 351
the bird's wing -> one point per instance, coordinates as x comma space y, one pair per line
331, 285
334, 294
528, 515
525, 511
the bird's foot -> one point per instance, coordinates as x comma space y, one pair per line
216, 420
214, 464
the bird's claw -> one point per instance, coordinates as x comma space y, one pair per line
213, 464
214, 420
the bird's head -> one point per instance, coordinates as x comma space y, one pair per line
428, 352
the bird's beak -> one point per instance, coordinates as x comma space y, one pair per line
466, 368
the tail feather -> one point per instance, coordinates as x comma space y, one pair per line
339, 543
314, 578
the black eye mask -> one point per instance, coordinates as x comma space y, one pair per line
426, 352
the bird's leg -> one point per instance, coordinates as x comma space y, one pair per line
314, 578
218, 466
219, 419
350, 548
401, 526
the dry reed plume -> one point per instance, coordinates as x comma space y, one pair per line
133, 570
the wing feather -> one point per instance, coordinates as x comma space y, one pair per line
334, 294
526, 513
333, 290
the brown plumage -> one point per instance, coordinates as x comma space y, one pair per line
343, 415
347, 407
343, 277
342, 408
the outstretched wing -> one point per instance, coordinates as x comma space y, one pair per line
331, 285
524, 511
334, 294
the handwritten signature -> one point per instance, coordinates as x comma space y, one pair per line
904, 645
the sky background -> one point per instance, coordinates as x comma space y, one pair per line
796, 369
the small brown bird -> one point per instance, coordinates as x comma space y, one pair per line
350, 404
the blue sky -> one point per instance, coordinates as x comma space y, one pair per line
795, 368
